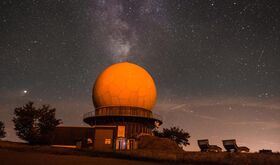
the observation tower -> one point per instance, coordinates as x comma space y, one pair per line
124, 95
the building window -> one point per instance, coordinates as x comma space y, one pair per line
107, 141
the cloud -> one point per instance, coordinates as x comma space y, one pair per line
259, 124
180, 106
247, 119
207, 117
218, 102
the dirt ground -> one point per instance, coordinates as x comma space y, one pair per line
8, 157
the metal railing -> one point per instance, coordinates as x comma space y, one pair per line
122, 111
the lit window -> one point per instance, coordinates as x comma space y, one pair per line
107, 141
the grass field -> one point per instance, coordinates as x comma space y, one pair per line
8, 157
23, 154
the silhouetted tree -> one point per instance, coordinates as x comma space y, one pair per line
157, 133
35, 125
174, 133
2, 130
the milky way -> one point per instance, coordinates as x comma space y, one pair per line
215, 63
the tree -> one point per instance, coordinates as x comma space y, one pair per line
35, 125
2, 130
176, 134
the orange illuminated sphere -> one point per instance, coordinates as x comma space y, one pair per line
124, 84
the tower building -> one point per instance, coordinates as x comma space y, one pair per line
123, 96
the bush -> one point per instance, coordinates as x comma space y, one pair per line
2, 130
176, 134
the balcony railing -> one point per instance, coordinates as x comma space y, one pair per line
122, 111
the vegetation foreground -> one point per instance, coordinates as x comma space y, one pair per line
14, 153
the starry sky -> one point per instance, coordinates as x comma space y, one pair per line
216, 63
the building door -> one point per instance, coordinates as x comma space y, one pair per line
121, 144
130, 144
103, 139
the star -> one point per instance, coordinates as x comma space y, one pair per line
25, 91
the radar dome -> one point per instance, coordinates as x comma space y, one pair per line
124, 84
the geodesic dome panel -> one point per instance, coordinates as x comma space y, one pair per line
124, 84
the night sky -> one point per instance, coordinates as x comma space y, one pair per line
216, 64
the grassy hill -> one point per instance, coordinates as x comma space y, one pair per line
19, 153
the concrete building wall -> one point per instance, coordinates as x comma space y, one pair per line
68, 135
101, 137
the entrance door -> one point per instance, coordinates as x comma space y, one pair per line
131, 144
121, 144
103, 139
